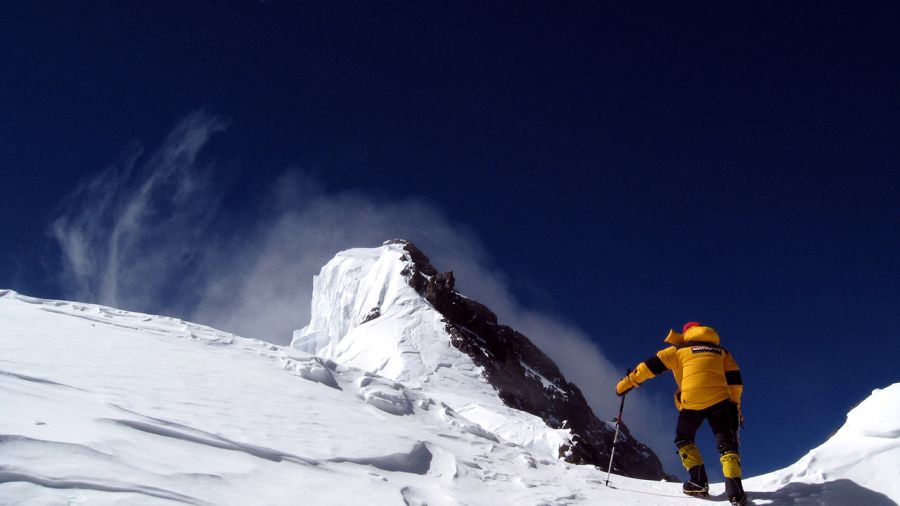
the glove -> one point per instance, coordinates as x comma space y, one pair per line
625, 385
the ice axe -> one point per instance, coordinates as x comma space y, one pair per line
612, 454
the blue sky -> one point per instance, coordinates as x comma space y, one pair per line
602, 172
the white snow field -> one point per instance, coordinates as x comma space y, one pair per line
102, 406
864, 452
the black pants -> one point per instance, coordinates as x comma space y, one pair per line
723, 420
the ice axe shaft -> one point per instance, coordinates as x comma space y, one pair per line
612, 454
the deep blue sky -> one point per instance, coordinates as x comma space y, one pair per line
628, 165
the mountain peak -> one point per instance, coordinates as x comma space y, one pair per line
361, 299
389, 311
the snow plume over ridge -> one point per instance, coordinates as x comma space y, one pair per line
150, 233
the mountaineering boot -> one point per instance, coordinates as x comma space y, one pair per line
731, 468
698, 484
739, 498
735, 492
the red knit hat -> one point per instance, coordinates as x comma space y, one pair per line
689, 325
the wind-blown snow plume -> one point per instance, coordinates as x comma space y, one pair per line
138, 218
149, 234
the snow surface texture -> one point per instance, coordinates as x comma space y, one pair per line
101, 406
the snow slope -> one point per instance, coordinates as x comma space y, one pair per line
101, 406
864, 452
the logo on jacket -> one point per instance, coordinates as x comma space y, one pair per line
705, 349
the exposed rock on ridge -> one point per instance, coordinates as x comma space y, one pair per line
524, 377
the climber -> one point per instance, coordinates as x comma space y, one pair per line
709, 388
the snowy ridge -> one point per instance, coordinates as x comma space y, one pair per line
864, 452
158, 325
107, 406
102, 406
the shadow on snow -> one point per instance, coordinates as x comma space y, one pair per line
831, 492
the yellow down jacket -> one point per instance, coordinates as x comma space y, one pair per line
705, 372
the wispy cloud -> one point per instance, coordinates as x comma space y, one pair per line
122, 232
149, 234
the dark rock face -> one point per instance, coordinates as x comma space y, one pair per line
525, 378
373, 313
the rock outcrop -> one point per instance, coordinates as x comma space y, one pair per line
524, 377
